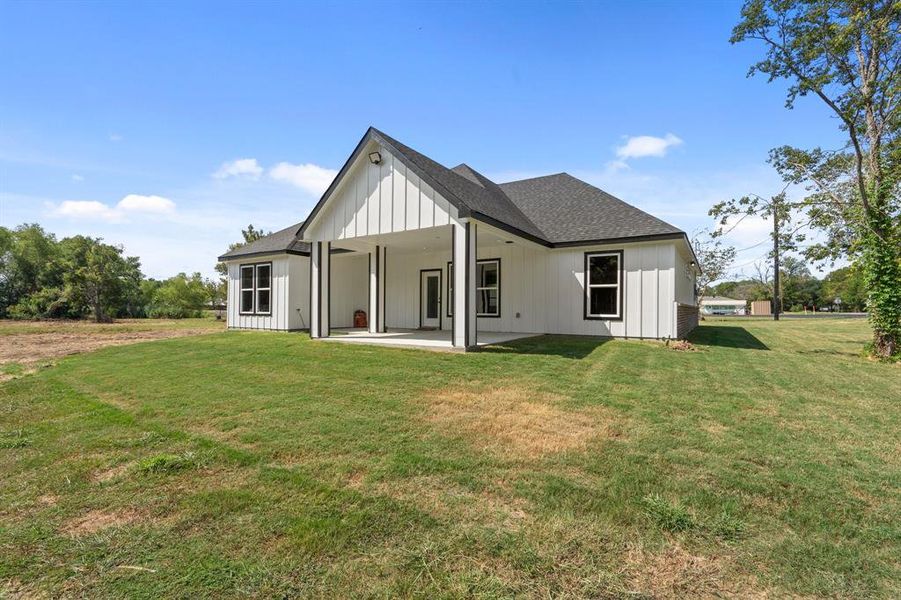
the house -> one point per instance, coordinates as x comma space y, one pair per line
449, 257
720, 305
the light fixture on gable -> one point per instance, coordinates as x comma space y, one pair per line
375, 157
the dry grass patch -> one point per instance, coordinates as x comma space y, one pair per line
444, 500
48, 499
36, 347
96, 520
677, 573
109, 474
518, 422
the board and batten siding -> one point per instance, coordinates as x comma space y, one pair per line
542, 291
379, 199
349, 288
289, 294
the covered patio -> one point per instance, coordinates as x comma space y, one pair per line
417, 338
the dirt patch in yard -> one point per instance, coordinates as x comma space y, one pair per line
519, 422
96, 520
29, 349
109, 474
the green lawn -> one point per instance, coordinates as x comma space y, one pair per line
263, 464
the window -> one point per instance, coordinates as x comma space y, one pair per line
488, 288
450, 289
264, 287
603, 285
247, 289
256, 289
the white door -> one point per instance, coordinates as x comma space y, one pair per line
430, 299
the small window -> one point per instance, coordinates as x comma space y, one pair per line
488, 288
264, 287
247, 289
603, 285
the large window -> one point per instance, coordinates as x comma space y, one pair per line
256, 289
603, 285
488, 288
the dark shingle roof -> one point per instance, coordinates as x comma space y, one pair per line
285, 240
569, 210
550, 210
485, 199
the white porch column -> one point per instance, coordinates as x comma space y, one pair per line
464, 256
320, 271
377, 292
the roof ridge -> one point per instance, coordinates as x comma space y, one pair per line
540, 177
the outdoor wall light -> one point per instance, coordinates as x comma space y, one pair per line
375, 158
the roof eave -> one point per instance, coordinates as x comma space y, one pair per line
233, 257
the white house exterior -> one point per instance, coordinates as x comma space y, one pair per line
418, 246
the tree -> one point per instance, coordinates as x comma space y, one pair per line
847, 285
27, 255
97, 278
848, 54
714, 258
800, 289
179, 297
785, 236
251, 234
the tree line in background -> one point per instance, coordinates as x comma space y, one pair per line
81, 277
842, 289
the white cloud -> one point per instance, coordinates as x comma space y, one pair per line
77, 177
129, 205
115, 137
241, 167
85, 209
308, 177
640, 146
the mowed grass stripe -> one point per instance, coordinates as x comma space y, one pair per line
264, 464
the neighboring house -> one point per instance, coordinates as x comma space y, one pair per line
419, 246
720, 305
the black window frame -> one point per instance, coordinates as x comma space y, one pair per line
450, 288
620, 282
254, 311
489, 315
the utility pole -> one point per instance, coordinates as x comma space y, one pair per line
776, 296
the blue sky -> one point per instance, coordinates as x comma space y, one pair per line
124, 120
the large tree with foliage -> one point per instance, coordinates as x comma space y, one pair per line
27, 256
97, 277
848, 54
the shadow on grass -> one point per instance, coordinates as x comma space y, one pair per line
727, 337
566, 346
